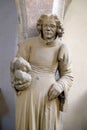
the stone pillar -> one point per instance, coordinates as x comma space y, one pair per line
22, 20
29, 11
34, 9
58, 8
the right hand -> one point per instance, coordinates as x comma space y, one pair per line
22, 86
22, 80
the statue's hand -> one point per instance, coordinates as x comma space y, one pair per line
22, 80
21, 87
54, 91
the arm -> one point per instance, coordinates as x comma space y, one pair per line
65, 72
24, 50
65, 69
19, 80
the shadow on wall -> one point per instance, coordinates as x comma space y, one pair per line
3, 108
78, 119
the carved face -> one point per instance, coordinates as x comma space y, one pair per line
49, 29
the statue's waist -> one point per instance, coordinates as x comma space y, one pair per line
43, 70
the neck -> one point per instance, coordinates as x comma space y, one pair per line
49, 40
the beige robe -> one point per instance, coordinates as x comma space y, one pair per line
33, 109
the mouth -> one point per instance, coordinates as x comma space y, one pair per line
48, 34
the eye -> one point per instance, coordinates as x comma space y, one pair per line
45, 25
52, 26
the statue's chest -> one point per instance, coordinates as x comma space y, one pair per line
43, 55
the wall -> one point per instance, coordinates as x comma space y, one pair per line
75, 24
8, 46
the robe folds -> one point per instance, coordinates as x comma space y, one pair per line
34, 111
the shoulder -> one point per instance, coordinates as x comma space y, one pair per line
63, 48
60, 44
63, 51
28, 42
31, 40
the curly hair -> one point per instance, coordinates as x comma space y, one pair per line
60, 29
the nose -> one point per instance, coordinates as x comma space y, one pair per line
48, 28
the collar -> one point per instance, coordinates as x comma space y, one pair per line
47, 43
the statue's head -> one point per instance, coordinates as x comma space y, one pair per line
49, 26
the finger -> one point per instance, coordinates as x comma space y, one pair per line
18, 93
52, 96
50, 91
17, 82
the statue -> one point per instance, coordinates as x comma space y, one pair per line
39, 96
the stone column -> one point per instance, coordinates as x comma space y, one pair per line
58, 8
22, 20
29, 11
34, 9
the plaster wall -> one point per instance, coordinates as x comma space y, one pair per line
75, 24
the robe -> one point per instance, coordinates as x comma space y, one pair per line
34, 110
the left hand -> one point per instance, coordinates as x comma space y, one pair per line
54, 91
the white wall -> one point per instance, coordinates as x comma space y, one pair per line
75, 24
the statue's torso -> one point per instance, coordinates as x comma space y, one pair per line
44, 57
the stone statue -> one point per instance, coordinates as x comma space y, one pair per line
39, 96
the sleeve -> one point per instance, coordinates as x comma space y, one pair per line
23, 50
64, 68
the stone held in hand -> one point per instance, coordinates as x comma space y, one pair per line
21, 64
23, 76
